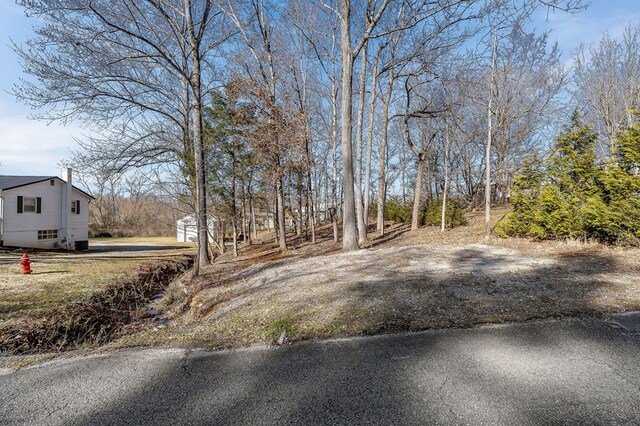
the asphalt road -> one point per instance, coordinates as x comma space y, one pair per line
549, 372
97, 251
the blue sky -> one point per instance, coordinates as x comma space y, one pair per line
27, 146
37, 148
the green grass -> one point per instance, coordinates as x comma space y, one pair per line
285, 324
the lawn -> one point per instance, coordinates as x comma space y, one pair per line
62, 282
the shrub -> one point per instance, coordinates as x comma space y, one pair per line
430, 212
454, 213
571, 196
398, 211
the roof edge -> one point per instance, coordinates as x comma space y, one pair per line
46, 179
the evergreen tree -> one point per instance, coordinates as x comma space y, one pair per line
621, 190
571, 196
522, 221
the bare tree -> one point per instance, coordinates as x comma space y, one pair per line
372, 110
256, 31
133, 70
360, 213
487, 184
607, 79
382, 149
349, 52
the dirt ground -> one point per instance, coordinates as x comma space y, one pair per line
402, 281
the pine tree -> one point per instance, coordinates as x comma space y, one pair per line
571, 196
621, 190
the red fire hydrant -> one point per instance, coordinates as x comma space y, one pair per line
25, 262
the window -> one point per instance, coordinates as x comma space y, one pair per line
49, 234
52, 182
29, 204
75, 206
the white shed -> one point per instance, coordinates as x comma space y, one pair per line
187, 229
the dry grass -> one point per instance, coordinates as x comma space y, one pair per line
119, 308
26, 297
69, 285
474, 233
404, 281
401, 281
159, 241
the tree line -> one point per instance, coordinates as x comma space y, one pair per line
317, 110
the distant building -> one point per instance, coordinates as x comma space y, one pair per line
264, 220
187, 229
43, 212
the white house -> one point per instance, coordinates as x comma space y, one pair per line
43, 212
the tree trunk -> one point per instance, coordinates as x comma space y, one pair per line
334, 175
446, 181
246, 233
300, 217
360, 216
234, 224
282, 224
487, 185
276, 216
349, 228
372, 114
222, 233
382, 190
416, 193
198, 143
403, 173
253, 217
310, 208
326, 196
316, 194
234, 210
430, 178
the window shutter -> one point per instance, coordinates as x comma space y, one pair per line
38, 205
77, 206
19, 203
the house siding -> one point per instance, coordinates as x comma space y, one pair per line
78, 223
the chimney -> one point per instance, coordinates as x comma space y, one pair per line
67, 174
65, 214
